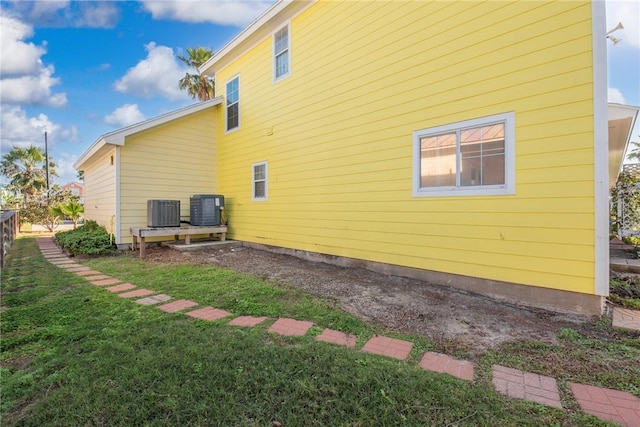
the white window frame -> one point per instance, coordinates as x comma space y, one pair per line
226, 107
509, 187
254, 181
277, 78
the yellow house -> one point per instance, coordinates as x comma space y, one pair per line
411, 138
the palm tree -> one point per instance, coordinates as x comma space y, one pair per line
25, 168
197, 85
72, 210
634, 153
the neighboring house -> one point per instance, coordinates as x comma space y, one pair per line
76, 188
409, 138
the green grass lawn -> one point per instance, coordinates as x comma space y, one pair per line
74, 354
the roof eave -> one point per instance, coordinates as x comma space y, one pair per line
117, 137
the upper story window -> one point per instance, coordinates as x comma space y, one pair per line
233, 103
259, 182
473, 157
281, 57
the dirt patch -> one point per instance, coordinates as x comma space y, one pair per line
454, 319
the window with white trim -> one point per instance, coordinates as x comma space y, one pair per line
233, 104
281, 57
259, 181
473, 157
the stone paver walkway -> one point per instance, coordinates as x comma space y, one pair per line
525, 385
625, 318
606, 404
445, 364
337, 337
181, 304
390, 347
209, 313
290, 327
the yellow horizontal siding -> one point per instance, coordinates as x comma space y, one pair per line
100, 188
172, 161
337, 135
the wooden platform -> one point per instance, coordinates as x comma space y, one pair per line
186, 231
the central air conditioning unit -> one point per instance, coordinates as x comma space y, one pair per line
163, 213
205, 209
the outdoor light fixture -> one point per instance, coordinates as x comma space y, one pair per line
615, 40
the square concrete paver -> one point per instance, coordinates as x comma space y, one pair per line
136, 293
290, 327
122, 287
607, 404
178, 305
247, 321
626, 318
445, 364
389, 347
153, 299
525, 385
84, 273
76, 269
337, 337
105, 282
208, 313
97, 277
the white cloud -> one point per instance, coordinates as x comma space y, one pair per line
628, 13
32, 89
25, 79
100, 14
17, 129
157, 74
224, 12
64, 167
18, 57
65, 13
126, 115
614, 95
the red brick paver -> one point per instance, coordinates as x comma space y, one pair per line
525, 385
607, 404
153, 299
178, 305
122, 287
105, 282
290, 327
208, 313
136, 293
390, 347
247, 321
97, 277
87, 273
625, 318
442, 363
77, 268
63, 262
337, 337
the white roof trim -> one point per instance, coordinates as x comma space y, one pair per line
117, 137
252, 30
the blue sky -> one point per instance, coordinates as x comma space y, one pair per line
79, 69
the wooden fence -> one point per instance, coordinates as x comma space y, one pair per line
9, 232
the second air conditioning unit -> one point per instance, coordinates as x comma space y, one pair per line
205, 209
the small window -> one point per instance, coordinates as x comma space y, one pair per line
259, 181
233, 103
281, 57
474, 157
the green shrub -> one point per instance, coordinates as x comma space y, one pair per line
89, 239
